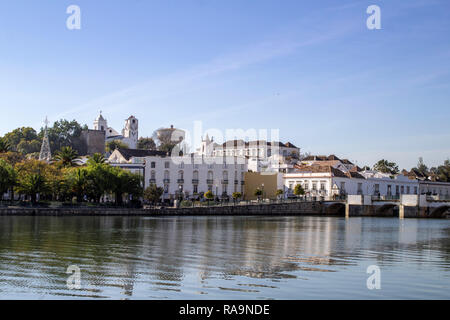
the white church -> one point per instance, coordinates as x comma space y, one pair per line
129, 135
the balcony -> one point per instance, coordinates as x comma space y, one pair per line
209, 181
236, 181
166, 180
152, 181
195, 181
225, 181
180, 181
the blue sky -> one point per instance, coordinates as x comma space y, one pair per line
309, 68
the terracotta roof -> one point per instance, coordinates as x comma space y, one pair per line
316, 168
130, 153
235, 143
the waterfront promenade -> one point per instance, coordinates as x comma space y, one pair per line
405, 207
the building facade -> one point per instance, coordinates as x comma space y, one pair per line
252, 149
188, 177
327, 181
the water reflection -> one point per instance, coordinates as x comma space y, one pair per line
223, 257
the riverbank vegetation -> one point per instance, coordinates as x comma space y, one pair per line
64, 181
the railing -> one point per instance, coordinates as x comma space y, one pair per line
225, 181
195, 181
209, 181
236, 181
180, 181
166, 180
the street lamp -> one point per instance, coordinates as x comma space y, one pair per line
180, 190
217, 191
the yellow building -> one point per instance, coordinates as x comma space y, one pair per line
266, 181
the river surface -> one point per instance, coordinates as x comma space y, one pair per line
223, 258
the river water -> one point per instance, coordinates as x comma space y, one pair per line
223, 258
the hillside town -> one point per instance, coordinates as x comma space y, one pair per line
238, 169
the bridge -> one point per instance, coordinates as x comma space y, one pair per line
407, 206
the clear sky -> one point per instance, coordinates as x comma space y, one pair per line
309, 68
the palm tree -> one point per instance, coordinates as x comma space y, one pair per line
33, 184
66, 156
96, 158
79, 183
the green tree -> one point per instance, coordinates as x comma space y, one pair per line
279, 193
96, 158
258, 192
57, 182
298, 190
209, 195
385, 166
66, 157
167, 147
79, 182
100, 178
153, 193
236, 196
4, 146
23, 140
146, 143
125, 182
32, 184
63, 134
31, 179
422, 167
115, 144
7, 177
443, 172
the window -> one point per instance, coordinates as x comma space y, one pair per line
153, 175
342, 186
397, 190
195, 175
225, 175
195, 188
415, 190
389, 190
377, 189
166, 174
153, 164
314, 186
306, 185
180, 175
359, 188
167, 164
408, 189
181, 165
402, 190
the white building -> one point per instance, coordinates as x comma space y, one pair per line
189, 176
252, 149
328, 181
129, 135
435, 188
